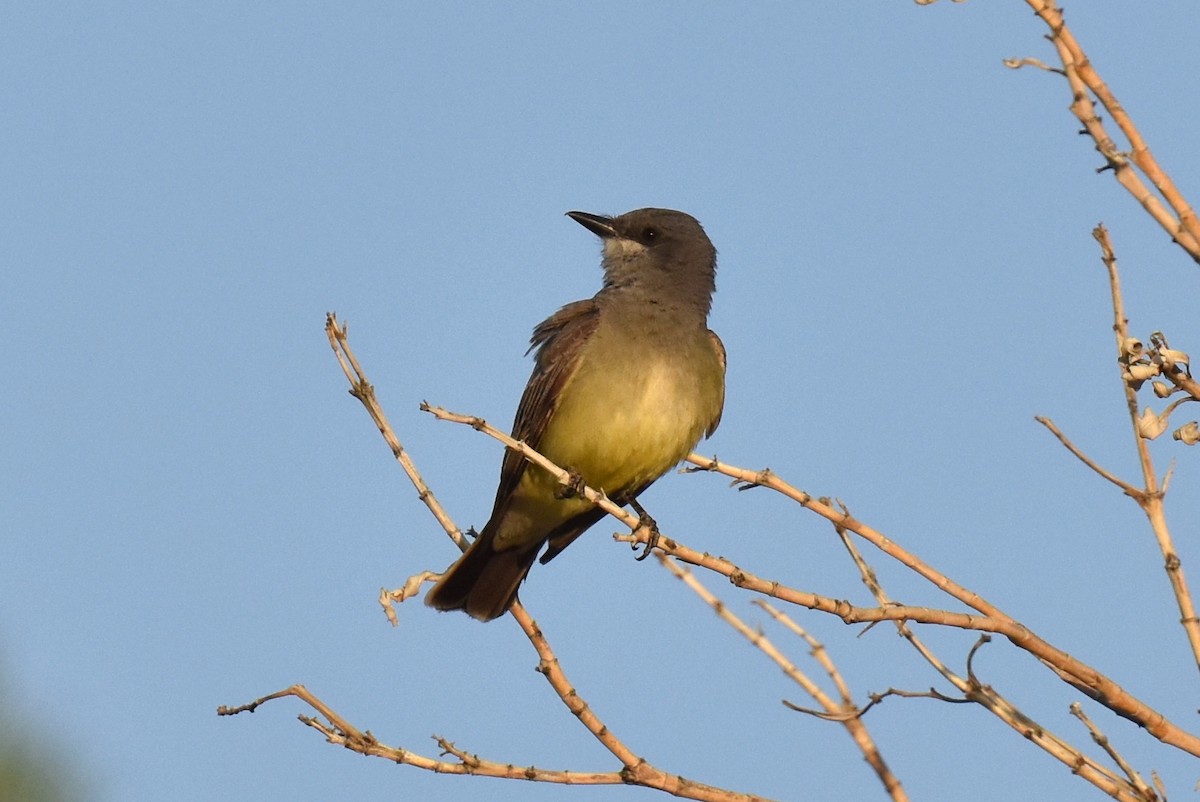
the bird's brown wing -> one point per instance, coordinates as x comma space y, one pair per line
558, 339
719, 347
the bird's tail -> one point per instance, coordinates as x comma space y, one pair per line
483, 581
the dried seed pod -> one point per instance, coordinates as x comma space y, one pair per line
1169, 357
1150, 425
1188, 434
1136, 374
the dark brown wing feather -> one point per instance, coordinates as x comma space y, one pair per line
719, 347
558, 339
484, 581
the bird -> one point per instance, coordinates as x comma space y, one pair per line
624, 385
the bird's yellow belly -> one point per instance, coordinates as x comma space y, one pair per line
623, 433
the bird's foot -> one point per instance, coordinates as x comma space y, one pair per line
645, 521
574, 486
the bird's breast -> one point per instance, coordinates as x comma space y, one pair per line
629, 414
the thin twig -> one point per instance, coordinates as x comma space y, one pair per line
991, 700
1126, 488
563, 477
388, 599
1180, 222
816, 648
1102, 741
1080, 675
844, 712
1151, 498
338, 730
361, 389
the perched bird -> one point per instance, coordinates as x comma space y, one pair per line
623, 387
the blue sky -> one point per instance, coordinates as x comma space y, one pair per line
198, 513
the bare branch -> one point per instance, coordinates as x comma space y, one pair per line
818, 650
361, 389
411, 587
564, 477
1078, 674
989, 699
339, 731
1180, 221
1151, 498
1126, 488
1102, 741
1071, 670
845, 712
1018, 63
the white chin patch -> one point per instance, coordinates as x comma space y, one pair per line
619, 248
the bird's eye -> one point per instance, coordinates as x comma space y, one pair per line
649, 233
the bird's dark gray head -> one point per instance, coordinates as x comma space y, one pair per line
662, 253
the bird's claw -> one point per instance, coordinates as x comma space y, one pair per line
645, 522
574, 486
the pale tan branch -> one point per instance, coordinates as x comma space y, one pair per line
634, 771
867, 575
992, 619
1126, 488
844, 712
849, 613
1151, 498
1183, 380
564, 477
361, 389
388, 599
551, 669
991, 700
876, 700
817, 649
1158, 784
1121, 332
1135, 779
1180, 221
1018, 63
339, 731
1085, 83
1080, 675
